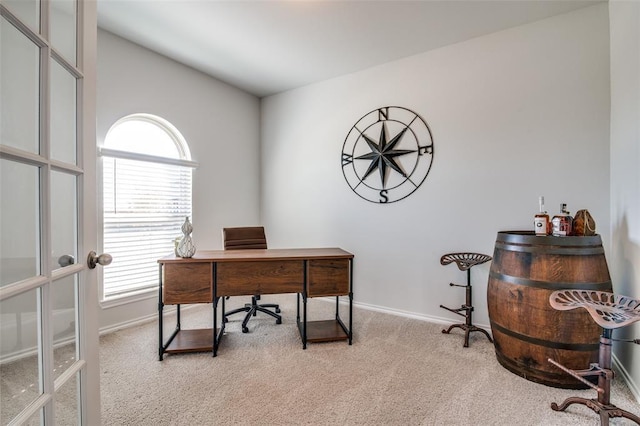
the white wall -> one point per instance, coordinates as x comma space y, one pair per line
624, 258
219, 122
514, 115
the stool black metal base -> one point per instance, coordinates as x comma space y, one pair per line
606, 411
465, 261
468, 329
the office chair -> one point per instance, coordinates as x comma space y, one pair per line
241, 239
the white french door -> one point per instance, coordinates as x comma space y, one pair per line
49, 360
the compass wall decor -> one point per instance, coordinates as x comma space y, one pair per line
387, 154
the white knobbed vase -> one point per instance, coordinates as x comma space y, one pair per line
186, 248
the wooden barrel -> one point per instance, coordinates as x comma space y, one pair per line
527, 331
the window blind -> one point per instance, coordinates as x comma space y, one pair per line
144, 205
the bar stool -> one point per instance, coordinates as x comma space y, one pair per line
465, 261
609, 312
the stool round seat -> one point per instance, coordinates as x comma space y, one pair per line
607, 309
464, 260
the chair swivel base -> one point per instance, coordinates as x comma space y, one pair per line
606, 411
252, 309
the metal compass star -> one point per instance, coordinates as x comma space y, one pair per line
383, 154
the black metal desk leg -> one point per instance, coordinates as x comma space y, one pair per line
215, 310
162, 347
215, 324
304, 306
160, 307
350, 301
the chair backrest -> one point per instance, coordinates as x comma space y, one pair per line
250, 237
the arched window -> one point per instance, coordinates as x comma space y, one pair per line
146, 195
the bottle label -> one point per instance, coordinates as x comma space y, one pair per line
561, 226
540, 225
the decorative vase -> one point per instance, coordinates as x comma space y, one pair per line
176, 241
186, 248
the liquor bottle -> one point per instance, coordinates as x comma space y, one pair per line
541, 223
562, 222
569, 221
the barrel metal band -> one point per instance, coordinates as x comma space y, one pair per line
566, 250
529, 238
581, 347
546, 285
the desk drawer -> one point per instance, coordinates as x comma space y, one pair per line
328, 277
187, 283
267, 277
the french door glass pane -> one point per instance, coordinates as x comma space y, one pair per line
64, 324
19, 110
19, 352
63, 28
63, 114
64, 235
67, 402
19, 222
28, 11
36, 419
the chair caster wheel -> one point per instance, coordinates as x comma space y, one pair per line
277, 311
245, 330
279, 321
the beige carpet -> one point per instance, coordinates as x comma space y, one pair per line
398, 371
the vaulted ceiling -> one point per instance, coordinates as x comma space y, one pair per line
266, 47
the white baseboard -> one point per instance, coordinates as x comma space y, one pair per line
633, 387
412, 315
141, 320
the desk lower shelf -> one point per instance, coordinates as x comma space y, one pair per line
324, 331
196, 340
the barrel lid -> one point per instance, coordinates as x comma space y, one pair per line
530, 237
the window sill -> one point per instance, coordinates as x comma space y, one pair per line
113, 301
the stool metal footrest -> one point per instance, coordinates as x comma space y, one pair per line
457, 311
580, 374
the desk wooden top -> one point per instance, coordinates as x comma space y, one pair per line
257, 255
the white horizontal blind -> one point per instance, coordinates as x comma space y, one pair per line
145, 205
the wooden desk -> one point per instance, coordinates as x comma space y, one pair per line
212, 275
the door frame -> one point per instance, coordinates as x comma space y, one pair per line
87, 313
88, 232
